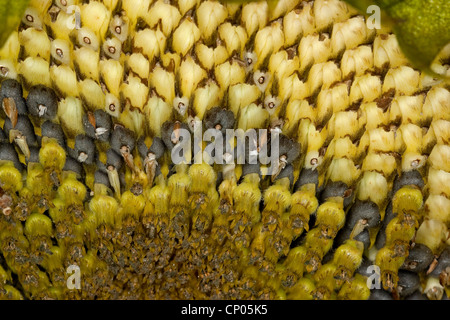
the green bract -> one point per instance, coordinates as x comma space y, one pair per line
11, 12
422, 27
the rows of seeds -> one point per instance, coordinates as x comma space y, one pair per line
87, 177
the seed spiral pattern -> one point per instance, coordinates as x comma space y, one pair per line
94, 100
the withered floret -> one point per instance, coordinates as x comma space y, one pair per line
419, 258
23, 128
42, 102
12, 89
97, 125
84, 151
